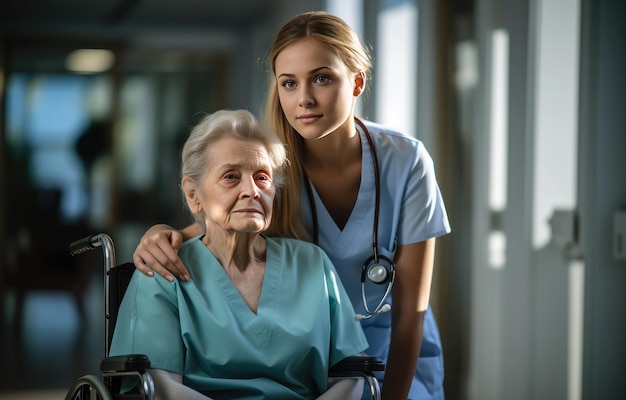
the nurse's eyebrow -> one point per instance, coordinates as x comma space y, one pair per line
312, 72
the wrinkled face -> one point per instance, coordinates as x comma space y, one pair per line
236, 192
316, 90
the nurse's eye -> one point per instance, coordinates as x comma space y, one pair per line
322, 79
288, 84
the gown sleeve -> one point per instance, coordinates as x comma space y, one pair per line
347, 337
148, 323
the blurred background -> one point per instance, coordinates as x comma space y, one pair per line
520, 102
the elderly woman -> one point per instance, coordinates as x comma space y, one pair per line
261, 317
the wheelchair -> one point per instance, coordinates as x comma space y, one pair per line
136, 366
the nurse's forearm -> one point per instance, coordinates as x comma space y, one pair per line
406, 340
191, 231
343, 389
169, 386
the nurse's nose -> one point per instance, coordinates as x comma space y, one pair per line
306, 97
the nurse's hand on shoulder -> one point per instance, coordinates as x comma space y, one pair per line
158, 252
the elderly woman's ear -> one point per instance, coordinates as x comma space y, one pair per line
191, 195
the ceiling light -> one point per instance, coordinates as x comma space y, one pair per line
89, 61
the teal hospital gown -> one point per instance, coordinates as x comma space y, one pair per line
204, 330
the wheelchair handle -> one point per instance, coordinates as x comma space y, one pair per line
85, 244
92, 242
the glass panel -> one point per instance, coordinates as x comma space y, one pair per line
396, 65
559, 278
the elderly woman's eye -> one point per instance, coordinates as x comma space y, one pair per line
263, 177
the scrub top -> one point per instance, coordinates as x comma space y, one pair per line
204, 330
411, 211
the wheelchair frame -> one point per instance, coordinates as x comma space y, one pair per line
114, 368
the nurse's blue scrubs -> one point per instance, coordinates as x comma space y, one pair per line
411, 211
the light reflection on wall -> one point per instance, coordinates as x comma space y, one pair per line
498, 143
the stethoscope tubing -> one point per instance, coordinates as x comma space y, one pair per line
382, 306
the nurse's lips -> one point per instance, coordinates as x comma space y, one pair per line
308, 118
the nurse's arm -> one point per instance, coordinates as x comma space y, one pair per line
169, 385
343, 389
411, 296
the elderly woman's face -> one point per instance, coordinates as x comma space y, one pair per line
237, 190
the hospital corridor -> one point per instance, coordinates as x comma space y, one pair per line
520, 104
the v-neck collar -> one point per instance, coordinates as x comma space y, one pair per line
330, 236
268, 287
256, 322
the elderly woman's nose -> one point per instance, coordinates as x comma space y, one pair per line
249, 187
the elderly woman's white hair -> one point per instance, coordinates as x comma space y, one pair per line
240, 124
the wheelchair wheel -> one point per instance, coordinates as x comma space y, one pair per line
88, 387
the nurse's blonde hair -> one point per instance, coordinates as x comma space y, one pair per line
335, 33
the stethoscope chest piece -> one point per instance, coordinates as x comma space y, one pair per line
379, 270
377, 273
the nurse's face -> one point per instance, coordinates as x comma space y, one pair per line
317, 91
236, 192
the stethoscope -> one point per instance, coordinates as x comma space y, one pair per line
374, 267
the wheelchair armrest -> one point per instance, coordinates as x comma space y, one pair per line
361, 366
357, 365
129, 362
127, 376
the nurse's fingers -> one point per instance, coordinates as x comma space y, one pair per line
159, 253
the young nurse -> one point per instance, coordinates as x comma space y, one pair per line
359, 190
